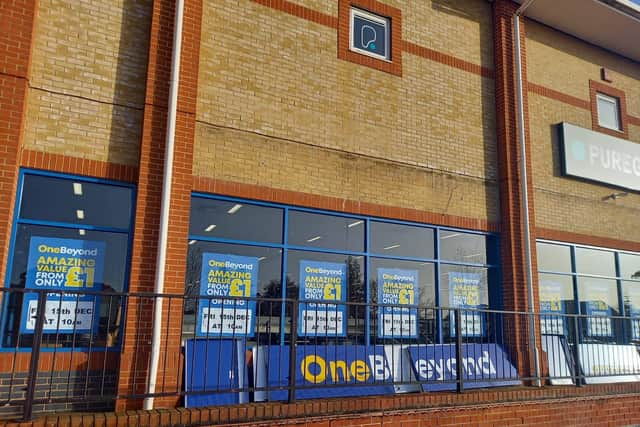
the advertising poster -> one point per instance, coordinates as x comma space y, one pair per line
597, 306
551, 304
399, 288
67, 265
225, 281
464, 292
325, 283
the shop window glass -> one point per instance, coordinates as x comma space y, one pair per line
336, 283
401, 240
74, 201
464, 287
463, 247
556, 298
395, 286
326, 231
553, 257
235, 220
268, 284
598, 297
631, 300
629, 266
71, 254
596, 262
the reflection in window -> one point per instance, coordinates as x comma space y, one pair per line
595, 261
629, 266
553, 257
238, 221
325, 231
463, 247
598, 297
401, 240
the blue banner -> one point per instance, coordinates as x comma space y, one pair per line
551, 305
212, 367
464, 292
484, 365
68, 265
400, 289
325, 283
225, 280
320, 370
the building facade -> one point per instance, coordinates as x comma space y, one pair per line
364, 137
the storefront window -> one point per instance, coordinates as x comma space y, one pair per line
71, 238
553, 257
325, 261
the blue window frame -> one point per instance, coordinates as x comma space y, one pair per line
69, 233
587, 280
287, 236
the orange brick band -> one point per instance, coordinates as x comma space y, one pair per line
78, 166
558, 96
584, 239
257, 192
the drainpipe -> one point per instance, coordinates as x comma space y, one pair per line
525, 192
166, 202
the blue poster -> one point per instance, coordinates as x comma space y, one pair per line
551, 308
399, 289
325, 284
633, 295
321, 370
212, 369
464, 292
225, 282
67, 265
597, 310
484, 365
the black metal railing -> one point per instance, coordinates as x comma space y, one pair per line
66, 351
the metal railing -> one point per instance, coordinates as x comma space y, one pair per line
63, 351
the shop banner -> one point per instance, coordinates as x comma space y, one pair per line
464, 292
225, 280
551, 306
212, 367
400, 289
68, 265
325, 283
485, 365
609, 363
599, 326
321, 370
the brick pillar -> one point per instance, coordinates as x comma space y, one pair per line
511, 204
17, 21
135, 355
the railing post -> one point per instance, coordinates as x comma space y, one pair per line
576, 350
459, 364
293, 337
35, 357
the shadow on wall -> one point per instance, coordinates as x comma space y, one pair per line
130, 82
461, 8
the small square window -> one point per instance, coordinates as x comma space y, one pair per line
369, 34
608, 111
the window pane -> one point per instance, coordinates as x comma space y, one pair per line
424, 296
237, 221
315, 270
401, 240
630, 266
326, 231
109, 275
608, 112
269, 285
463, 247
74, 201
593, 261
553, 257
464, 287
631, 298
598, 297
556, 290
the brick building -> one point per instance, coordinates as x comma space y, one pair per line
368, 137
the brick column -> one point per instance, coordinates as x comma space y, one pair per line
136, 349
17, 21
511, 203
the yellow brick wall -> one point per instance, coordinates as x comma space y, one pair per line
565, 64
88, 78
270, 83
